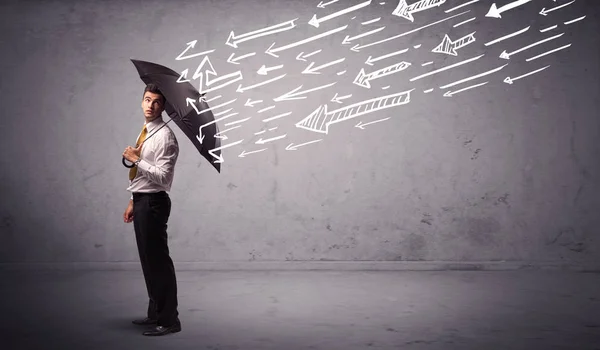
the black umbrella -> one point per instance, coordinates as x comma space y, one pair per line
181, 111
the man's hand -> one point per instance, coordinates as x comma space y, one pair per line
132, 154
128, 215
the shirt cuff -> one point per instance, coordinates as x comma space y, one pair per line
145, 166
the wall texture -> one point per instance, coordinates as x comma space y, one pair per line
481, 170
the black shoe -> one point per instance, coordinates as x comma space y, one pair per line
146, 321
161, 330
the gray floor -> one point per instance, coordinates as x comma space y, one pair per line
307, 310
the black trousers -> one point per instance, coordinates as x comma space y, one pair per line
150, 215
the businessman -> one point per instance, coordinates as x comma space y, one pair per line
149, 209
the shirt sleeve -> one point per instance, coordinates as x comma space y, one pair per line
166, 153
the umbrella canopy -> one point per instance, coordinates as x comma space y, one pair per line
180, 111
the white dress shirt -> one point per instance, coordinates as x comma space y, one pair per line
159, 153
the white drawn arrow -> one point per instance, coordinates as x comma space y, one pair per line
294, 94
220, 158
547, 53
545, 12
495, 12
363, 79
251, 103
200, 137
244, 153
449, 47
242, 89
362, 126
357, 47
507, 36
234, 40
506, 55
322, 5
191, 45
235, 60
224, 137
211, 71
302, 57
370, 60
320, 119
452, 93
510, 80
262, 142
294, 148
315, 70
264, 70
315, 22
339, 99
348, 39
473, 77
406, 11
318, 36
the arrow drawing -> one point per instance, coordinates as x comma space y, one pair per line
191, 45
406, 11
310, 70
462, 5
200, 137
362, 126
363, 79
220, 158
235, 60
315, 22
574, 20
357, 47
293, 95
302, 57
211, 71
339, 99
242, 89
506, 55
473, 77
545, 12
294, 148
495, 12
452, 93
348, 39
510, 80
449, 47
446, 68
277, 117
251, 103
244, 153
547, 53
266, 109
370, 60
233, 40
320, 119
264, 70
262, 142
318, 36
322, 5
224, 137
507, 36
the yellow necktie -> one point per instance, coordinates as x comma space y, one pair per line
133, 171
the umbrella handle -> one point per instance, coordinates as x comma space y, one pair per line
127, 166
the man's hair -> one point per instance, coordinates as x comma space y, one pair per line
154, 89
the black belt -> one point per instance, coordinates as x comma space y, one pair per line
151, 194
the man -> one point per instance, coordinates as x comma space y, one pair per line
149, 209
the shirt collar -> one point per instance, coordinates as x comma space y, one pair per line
153, 124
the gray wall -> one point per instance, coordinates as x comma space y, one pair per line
497, 172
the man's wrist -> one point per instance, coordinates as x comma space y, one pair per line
138, 161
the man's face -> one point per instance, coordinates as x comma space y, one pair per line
152, 105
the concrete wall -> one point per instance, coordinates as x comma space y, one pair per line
496, 172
